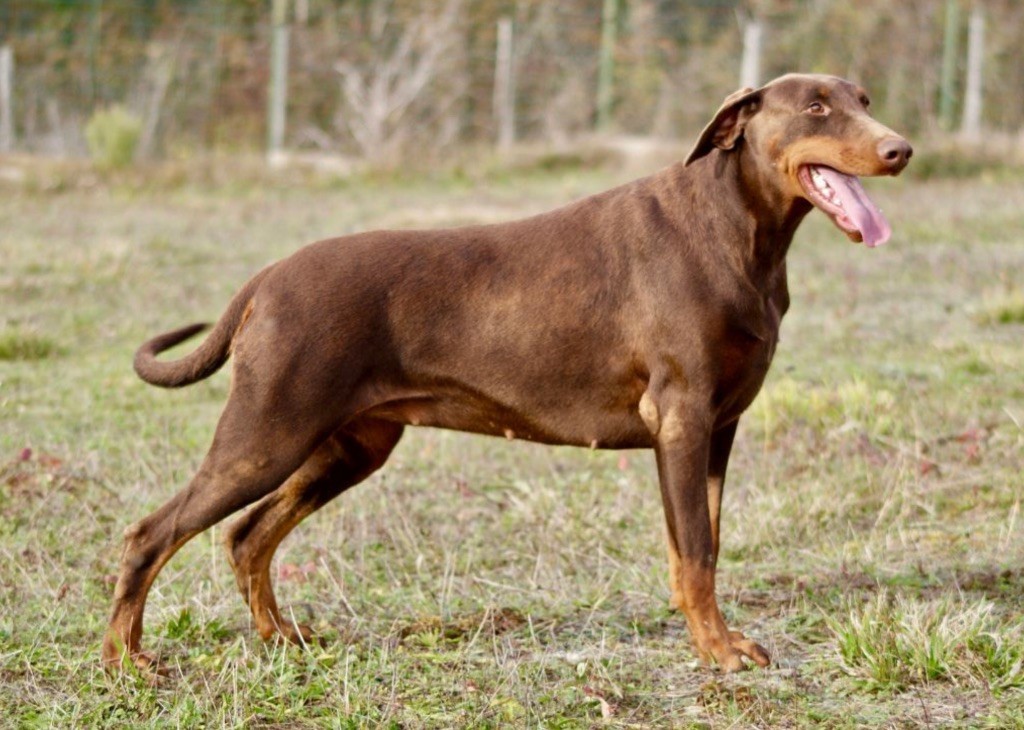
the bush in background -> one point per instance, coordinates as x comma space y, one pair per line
113, 135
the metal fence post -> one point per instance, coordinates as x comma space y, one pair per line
947, 83
504, 94
606, 64
971, 126
750, 63
278, 97
6, 98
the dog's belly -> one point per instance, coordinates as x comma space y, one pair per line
575, 424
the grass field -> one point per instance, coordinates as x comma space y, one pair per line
872, 536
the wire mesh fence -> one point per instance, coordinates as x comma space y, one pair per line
386, 79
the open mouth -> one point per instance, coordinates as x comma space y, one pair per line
843, 199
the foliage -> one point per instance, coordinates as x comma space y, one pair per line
15, 345
938, 158
1007, 308
894, 643
366, 75
113, 135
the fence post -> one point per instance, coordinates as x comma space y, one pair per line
504, 93
606, 63
6, 98
162, 67
948, 79
278, 97
971, 126
93, 45
750, 65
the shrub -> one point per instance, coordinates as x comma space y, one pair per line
113, 135
894, 643
24, 346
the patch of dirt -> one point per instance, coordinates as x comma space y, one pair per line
31, 475
458, 628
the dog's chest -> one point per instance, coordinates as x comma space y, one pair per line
745, 359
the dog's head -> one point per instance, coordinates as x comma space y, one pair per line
815, 135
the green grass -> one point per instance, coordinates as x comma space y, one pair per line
1004, 309
895, 643
872, 535
24, 346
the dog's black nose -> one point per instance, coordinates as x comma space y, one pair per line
895, 153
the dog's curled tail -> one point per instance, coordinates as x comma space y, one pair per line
208, 357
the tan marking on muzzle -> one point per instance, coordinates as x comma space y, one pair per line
852, 157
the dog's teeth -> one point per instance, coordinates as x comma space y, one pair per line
822, 186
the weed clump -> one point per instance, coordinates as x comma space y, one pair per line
22, 346
893, 643
112, 135
1005, 310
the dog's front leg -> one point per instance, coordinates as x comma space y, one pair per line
683, 443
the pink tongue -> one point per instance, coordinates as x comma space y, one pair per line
861, 212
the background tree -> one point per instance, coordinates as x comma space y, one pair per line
376, 77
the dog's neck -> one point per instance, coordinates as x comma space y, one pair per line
775, 213
728, 194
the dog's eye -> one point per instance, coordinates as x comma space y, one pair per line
816, 107
865, 101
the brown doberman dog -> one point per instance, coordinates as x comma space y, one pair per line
642, 317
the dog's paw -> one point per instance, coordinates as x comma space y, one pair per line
143, 663
297, 633
733, 654
151, 669
749, 649
294, 633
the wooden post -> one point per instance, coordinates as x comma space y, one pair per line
277, 102
504, 93
160, 69
6, 98
750, 64
948, 79
971, 126
94, 41
606, 63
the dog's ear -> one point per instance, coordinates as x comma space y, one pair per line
730, 120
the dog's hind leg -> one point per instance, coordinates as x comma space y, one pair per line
250, 457
346, 458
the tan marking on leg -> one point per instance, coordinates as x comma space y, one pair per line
649, 413
714, 510
672, 428
340, 462
675, 575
